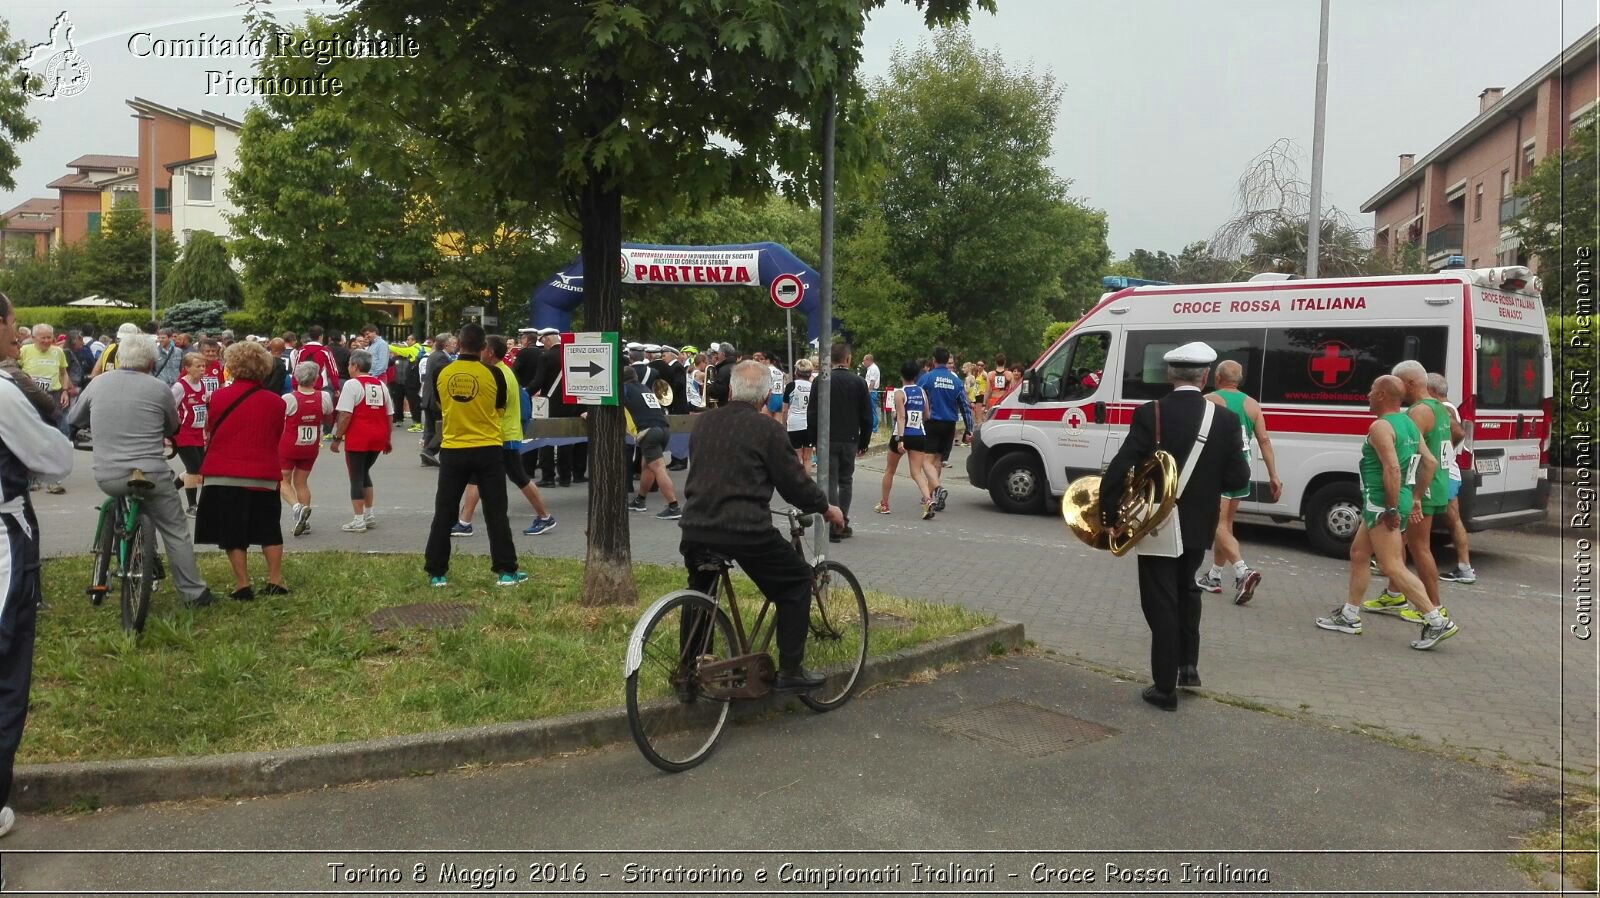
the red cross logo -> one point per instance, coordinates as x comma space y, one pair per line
1334, 366
1074, 419
1527, 373
1494, 372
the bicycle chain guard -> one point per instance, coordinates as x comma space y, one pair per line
743, 676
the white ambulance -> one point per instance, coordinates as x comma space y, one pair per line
1310, 350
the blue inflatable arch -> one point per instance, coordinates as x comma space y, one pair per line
728, 265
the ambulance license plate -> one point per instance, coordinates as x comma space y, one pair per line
1487, 465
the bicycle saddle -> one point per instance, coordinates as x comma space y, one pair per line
713, 562
137, 480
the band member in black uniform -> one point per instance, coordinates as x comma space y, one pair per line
1167, 591
570, 461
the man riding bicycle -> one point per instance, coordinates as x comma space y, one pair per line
132, 415
740, 457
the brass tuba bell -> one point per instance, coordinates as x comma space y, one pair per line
1146, 503
663, 392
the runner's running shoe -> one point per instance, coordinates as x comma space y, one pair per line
1247, 587
1411, 616
460, 529
928, 509
1386, 603
1209, 583
541, 525
940, 495
881, 508
1337, 622
1432, 636
516, 578
1465, 575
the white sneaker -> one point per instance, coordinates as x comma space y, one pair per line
8, 819
371, 521
294, 512
356, 525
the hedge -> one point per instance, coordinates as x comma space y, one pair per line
1579, 358
64, 318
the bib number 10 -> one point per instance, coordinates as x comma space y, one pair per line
306, 435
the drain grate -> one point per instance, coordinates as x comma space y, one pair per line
423, 615
1026, 729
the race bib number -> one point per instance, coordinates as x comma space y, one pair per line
914, 419
199, 413
1411, 470
211, 384
306, 434
650, 399
999, 383
43, 382
374, 396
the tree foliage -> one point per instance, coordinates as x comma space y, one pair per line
195, 316
573, 105
310, 215
875, 303
15, 125
116, 259
50, 280
203, 272
1560, 216
978, 225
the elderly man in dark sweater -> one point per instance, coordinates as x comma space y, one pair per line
849, 431
741, 457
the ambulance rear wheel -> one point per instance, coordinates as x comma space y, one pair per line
1017, 484
1333, 513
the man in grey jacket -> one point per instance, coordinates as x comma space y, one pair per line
444, 347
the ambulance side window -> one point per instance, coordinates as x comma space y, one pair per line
1144, 371
1510, 369
1075, 371
1336, 365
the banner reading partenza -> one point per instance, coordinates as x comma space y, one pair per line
679, 267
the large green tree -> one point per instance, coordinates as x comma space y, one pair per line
15, 125
116, 259
1560, 217
51, 280
203, 272
978, 224
577, 105
310, 215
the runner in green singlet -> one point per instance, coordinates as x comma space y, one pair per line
1227, 553
1431, 493
1393, 458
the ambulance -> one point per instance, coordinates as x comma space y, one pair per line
1310, 351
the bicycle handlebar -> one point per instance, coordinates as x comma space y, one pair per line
797, 519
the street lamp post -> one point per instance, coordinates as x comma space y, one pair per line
1314, 226
152, 120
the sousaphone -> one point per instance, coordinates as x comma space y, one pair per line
663, 392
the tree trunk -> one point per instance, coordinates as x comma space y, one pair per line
608, 570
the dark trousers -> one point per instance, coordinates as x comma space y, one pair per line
572, 461
431, 434
1171, 602
458, 467
546, 464
19, 587
404, 396
781, 575
841, 474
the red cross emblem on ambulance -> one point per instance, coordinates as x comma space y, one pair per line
1332, 364
1074, 419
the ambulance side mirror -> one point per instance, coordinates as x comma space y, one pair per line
1032, 385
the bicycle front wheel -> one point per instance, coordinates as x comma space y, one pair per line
673, 721
139, 580
104, 551
837, 647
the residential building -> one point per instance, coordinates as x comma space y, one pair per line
1456, 200
86, 194
194, 153
30, 230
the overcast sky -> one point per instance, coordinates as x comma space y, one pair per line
1165, 101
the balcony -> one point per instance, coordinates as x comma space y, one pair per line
1512, 208
1445, 241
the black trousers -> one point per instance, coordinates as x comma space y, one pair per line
572, 461
841, 474
781, 575
458, 467
19, 592
403, 396
1171, 602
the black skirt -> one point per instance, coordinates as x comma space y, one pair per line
237, 517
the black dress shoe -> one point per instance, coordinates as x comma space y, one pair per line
834, 536
274, 589
579, 478
546, 484
566, 483
429, 461
799, 680
242, 594
200, 601
678, 466
1189, 676
1166, 701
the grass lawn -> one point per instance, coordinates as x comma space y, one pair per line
306, 668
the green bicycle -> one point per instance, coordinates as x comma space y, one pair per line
125, 548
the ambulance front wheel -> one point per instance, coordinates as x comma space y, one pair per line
1017, 484
1332, 515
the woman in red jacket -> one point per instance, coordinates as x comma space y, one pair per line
239, 504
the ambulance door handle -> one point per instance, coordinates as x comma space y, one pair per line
1100, 412
1520, 434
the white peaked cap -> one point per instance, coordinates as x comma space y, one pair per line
1191, 355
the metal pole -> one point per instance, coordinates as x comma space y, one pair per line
1314, 225
788, 315
825, 306
153, 219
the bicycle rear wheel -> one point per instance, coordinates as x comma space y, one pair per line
673, 721
139, 580
104, 551
837, 646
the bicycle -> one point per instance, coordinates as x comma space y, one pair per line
125, 547
690, 658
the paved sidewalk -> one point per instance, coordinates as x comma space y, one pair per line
1496, 690
885, 773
